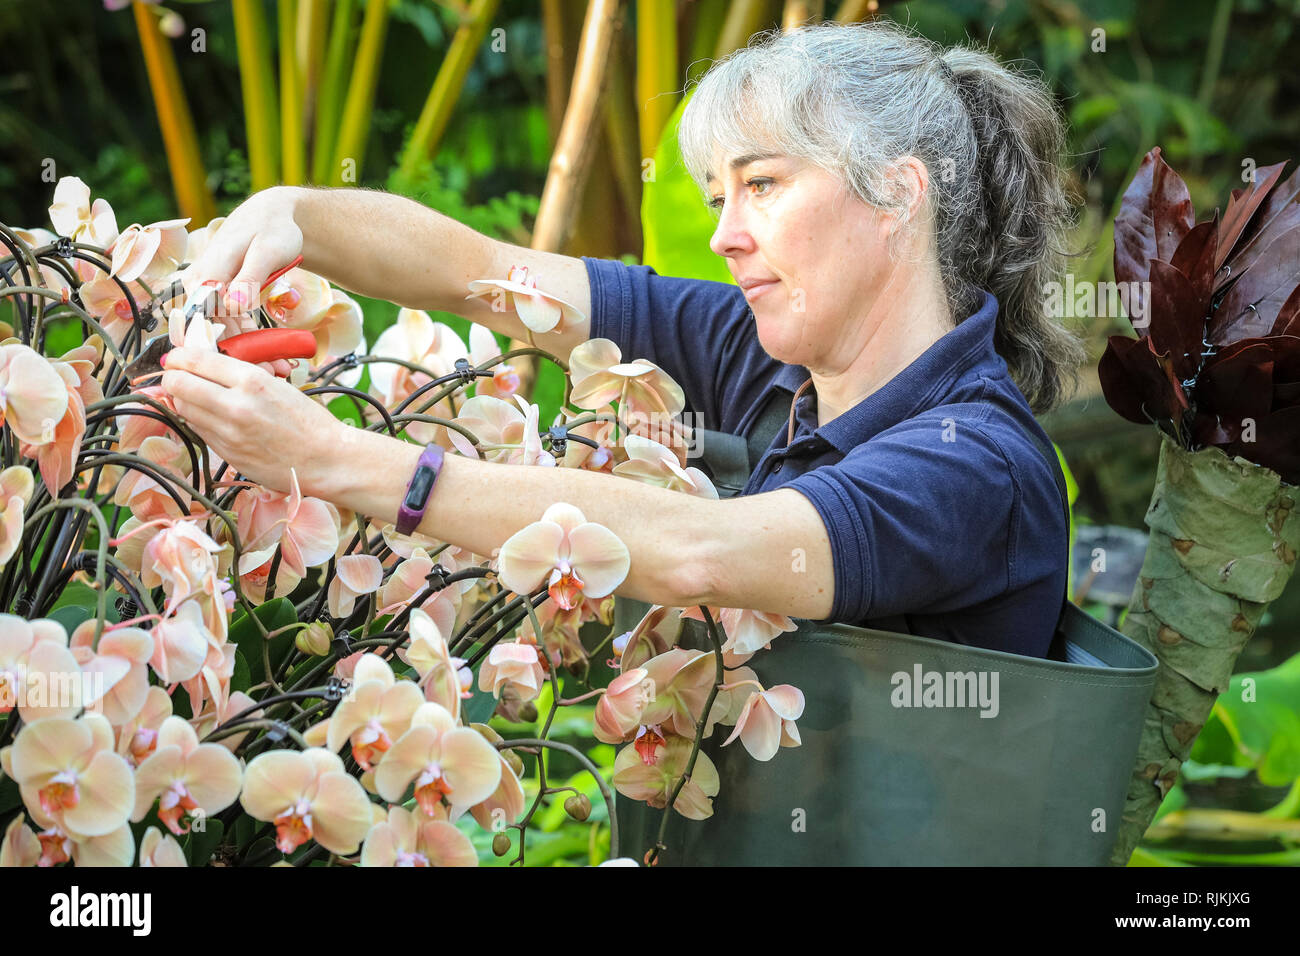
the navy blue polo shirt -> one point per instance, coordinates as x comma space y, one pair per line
937, 504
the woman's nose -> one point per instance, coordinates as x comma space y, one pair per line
732, 235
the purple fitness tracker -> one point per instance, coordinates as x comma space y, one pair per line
417, 490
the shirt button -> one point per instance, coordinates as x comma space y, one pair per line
777, 467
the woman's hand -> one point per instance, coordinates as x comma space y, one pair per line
257, 239
260, 424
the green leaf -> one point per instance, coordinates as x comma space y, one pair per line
1260, 714
674, 219
203, 843
245, 634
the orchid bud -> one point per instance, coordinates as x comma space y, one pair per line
315, 639
528, 712
501, 843
578, 807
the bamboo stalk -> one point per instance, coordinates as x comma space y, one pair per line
447, 86
800, 13
620, 126
560, 57
851, 11
656, 69
309, 52
354, 128
333, 83
744, 19
291, 128
180, 141
571, 159
258, 85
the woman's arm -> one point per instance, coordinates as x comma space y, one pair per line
769, 552
386, 246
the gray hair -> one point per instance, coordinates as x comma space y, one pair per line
853, 98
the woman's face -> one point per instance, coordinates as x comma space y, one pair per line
821, 249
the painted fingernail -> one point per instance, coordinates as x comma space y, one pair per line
236, 299
162, 360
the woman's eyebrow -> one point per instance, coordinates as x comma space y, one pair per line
740, 162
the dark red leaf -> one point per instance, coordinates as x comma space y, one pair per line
1288, 317
1275, 444
1154, 215
1278, 214
1254, 300
1177, 318
1242, 206
1195, 256
1237, 383
1133, 377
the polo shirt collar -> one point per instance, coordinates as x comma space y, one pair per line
927, 379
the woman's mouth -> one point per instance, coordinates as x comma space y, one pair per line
756, 289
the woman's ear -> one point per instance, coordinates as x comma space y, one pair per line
909, 181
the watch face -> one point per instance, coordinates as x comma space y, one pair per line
421, 484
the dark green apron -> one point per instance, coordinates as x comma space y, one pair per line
1040, 783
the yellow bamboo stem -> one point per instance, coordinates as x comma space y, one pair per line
656, 68
560, 56
570, 162
309, 53
851, 11
435, 115
180, 140
252, 43
800, 13
744, 19
291, 128
354, 128
329, 100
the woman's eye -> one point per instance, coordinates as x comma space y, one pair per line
716, 201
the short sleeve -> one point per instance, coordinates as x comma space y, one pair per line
921, 517
699, 332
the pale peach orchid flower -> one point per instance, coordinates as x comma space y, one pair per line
20, 846
576, 558
160, 849
73, 214
620, 708
57, 457
408, 839
182, 558
506, 433
198, 334
105, 302
518, 293
410, 579
306, 530
70, 776
212, 682
356, 575
216, 712
51, 277
181, 644
654, 464
137, 737
376, 711
300, 300
308, 795
515, 665
197, 240
682, 680
443, 761
561, 628
505, 805
35, 665
653, 782
16, 488
767, 720
121, 660
667, 430
747, 631
33, 395
442, 676
434, 346
599, 375
655, 633
147, 498
151, 252
187, 778
483, 347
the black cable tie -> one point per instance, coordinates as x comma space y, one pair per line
277, 731
335, 688
63, 247
468, 373
342, 643
350, 361
559, 440
126, 608
437, 577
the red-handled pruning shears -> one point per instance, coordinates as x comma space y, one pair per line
259, 345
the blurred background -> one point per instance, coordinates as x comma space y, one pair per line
183, 109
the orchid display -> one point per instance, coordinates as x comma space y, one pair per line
196, 669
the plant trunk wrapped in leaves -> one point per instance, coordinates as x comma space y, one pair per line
1216, 367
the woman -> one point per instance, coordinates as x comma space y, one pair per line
890, 212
